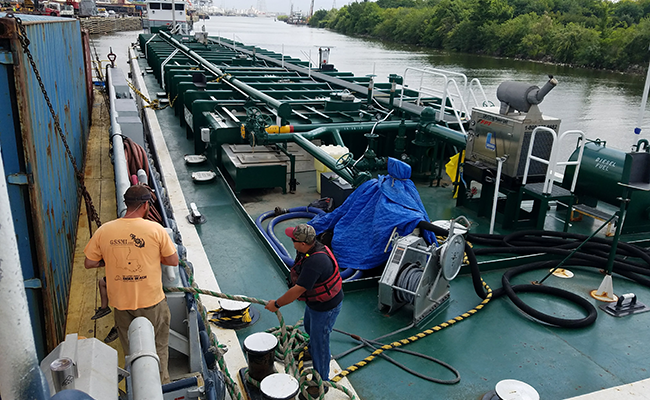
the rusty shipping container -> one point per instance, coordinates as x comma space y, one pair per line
41, 179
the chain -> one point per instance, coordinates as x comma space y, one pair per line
153, 104
81, 188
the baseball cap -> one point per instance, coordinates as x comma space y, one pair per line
301, 233
137, 194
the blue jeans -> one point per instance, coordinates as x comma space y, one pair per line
319, 325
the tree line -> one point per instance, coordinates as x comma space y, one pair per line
587, 33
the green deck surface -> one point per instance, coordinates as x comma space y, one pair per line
499, 342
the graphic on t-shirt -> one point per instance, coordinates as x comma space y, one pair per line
125, 260
137, 241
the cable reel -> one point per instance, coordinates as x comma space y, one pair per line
419, 275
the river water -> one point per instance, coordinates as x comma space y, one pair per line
603, 105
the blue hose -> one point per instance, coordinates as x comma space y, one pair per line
283, 217
305, 212
347, 274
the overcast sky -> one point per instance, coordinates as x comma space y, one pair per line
280, 5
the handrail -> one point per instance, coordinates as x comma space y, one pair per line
581, 148
444, 107
444, 93
486, 102
552, 162
468, 88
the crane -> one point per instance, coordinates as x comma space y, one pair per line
311, 9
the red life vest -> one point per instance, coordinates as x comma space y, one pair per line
322, 291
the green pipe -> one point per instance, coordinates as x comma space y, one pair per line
448, 135
284, 109
303, 139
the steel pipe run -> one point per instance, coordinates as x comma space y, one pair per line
20, 375
353, 87
122, 181
303, 139
145, 375
283, 108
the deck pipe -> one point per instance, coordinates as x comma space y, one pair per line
20, 375
283, 108
303, 139
145, 375
353, 87
122, 182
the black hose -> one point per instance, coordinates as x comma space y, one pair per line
375, 345
555, 243
512, 290
469, 252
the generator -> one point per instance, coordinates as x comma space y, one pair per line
505, 131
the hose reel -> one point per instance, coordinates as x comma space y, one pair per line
418, 275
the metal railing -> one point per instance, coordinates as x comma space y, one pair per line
459, 95
552, 163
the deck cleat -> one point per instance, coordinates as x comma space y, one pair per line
195, 217
626, 305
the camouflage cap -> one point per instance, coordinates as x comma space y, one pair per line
302, 233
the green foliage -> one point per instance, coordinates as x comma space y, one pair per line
317, 18
588, 33
396, 3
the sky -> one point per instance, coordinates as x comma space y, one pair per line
281, 5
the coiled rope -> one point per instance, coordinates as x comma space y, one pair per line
289, 344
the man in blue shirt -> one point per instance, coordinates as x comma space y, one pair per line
316, 280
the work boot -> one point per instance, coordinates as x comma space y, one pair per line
101, 312
112, 335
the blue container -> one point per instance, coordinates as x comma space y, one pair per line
41, 180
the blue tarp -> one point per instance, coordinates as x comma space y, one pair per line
363, 224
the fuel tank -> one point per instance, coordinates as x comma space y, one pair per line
601, 170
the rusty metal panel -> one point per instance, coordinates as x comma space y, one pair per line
57, 51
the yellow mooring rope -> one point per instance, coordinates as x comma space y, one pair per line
413, 338
245, 316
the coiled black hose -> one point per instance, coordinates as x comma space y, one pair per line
592, 254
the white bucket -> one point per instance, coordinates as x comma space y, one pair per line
336, 152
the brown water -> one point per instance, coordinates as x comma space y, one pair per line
602, 104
